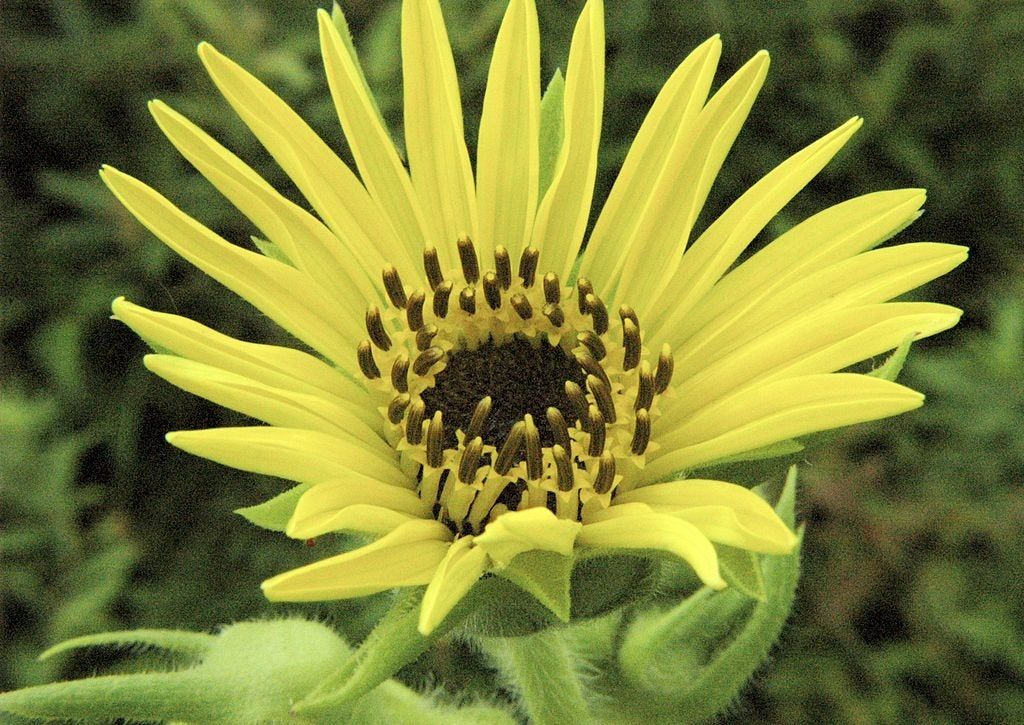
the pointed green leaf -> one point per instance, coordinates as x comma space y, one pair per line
894, 363
552, 130
546, 576
741, 570
274, 513
193, 644
269, 249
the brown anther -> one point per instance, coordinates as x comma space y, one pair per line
605, 473
510, 448
628, 313
528, 266
425, 336
492, 290
630, 344
554, 314
467, 256
400, 374
393, 286
426, 360
583, 288
396, 409
435, 440
552, 290
666, 366
598, 312
595, 426
467, 300
367, 364
479, 418
432, 266
645, 387
414, 310
641, 433
470, 460
375, 326
564, 470
559, 428
441, 295
534, 461
591, 366
602, 396
522, 306
414, 422
503, 265
579, 402
593, 343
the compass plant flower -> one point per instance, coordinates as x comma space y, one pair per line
485, 380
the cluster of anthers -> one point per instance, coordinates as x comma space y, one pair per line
504, 393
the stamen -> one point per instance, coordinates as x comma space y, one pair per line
432, 266
467, 255
628, 313
414, 310
645, 387
605, 473
631, 343
593, 343
554, 314
367, 364
467, 300
492, 290
591, 366
435, 440
503, 264
470, 460
596, 429
552, 290
522, 306
602, 396
396, 409
534, 462
393, 286
441, 295
479, 419
528, 266
563, 468
583, 288
641, 433
414, 422
400, 374
425, 336
426, 360
598, 312
666, 366
579, 402
510, 449
375, 326
559, 428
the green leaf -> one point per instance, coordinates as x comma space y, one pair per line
546, 576
269, 249
193, 644
741, 570
274, 513
894, 363
552, 130
752, 467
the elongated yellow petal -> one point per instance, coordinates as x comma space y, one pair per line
722, 242
659, 532
319, 508
678, 194
284, 294
724, 512
330, 186
298, 455
379, 164
408, 556
764, 414
461, 568
668, 127
514, 532
565, 208
507, 154
434, 133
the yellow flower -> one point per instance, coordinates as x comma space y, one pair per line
487, 383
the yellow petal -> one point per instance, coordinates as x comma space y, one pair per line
461, 568
408, 556
317, 511
514, 532
667, 127
724, 512
658, 532
284, 294
507, 163
297, 455
434, 134
565, 208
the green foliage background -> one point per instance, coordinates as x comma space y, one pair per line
912, 603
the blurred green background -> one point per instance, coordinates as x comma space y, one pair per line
911, 607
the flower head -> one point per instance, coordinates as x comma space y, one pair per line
487, 382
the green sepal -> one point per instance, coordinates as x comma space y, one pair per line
893, 365
546, 576
189, 644
269, 249
274, 514
741, 570
552, 130
752, 467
